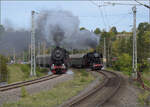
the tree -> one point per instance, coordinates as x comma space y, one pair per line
114, 30
143, 27
143, 41
97, 31
82, 28
123, 63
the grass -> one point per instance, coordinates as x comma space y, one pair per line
15, 73
127, 73
57, 95
144, 98
21, 72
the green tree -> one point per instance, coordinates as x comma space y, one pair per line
143, 42
123, 63
82, 28
97, 31
143, 27
114, 30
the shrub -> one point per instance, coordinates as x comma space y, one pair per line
24, 92
124, 63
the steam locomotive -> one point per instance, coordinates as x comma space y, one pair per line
91, 60
59, 60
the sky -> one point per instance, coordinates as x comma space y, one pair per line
17, 14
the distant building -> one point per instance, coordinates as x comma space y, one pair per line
124, 35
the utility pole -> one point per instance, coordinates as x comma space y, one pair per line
33, 64
39, 51
23, 56
14, 55
29, 49
104, 56
44, 52
134, 60
149, 12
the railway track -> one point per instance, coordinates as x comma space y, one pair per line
100, 94
25, 83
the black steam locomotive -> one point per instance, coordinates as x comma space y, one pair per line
59, 60
91, 60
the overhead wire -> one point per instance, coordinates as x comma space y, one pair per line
101, 12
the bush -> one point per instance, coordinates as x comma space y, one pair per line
124, 63
24, 92
41, 71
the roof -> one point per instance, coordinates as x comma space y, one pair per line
76, 55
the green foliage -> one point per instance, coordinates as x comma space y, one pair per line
24, 92
123, 63
97, 31
18, 72
114, 30
144, 27
144, 99
82, 28
143, 43
41, 71
121, 46
21, 72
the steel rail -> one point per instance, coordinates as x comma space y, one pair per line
98, 88
25, 83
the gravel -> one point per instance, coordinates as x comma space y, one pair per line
15, 94
126, 96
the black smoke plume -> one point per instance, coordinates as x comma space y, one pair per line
62, 28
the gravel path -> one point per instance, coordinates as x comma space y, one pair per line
15, 94
126, 96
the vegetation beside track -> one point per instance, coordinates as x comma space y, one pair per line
21, 72
56, 95
144, 98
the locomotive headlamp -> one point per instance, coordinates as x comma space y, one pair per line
63, 66
52, 67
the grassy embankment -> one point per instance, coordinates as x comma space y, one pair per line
144, 97
56, 95
21, 72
